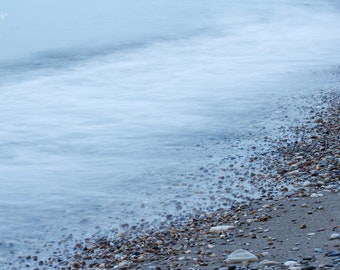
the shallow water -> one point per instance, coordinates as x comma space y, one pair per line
114, 112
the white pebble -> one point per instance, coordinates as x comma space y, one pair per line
316, 195
240, 256
221, 228
293, 172
290, 263
123, 264
307, 184
334, 236
267, 262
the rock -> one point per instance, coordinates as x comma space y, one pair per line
265, 253
334, 236
291, 263
241, 255
222, 228
295, 172
76, 265
307, 183
124, 264
267, 262
316, 195
333, 253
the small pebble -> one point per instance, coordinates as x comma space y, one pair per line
333, 253
334, 236
291, 263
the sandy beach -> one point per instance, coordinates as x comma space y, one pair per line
299, 229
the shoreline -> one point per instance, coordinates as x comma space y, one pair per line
296, 226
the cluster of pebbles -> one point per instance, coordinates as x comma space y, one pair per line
295, 224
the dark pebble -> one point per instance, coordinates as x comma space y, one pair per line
308, 258
333, 253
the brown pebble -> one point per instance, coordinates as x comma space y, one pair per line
303, 226
76, 265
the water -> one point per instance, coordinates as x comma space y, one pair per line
109, 110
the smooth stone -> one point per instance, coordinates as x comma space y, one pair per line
316, 195
241, 255
290, 263
319, 250
308, 258
333, 253
221, 228
268, 262
295, 172
334, 236
123, 264
307, 183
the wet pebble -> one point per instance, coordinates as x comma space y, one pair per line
333, 253
334, 236
241, 255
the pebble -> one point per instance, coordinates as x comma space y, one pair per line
221, 228
123, 264
334, 236
295, 172
290, 263
268, 262
307, 183
333, 253
240, 256
316, 195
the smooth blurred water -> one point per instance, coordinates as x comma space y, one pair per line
109, 105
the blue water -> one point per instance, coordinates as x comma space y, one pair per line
109, 109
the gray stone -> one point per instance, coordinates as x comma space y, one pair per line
291, 263
267, 262
333, 253
334, 236
221, 228
241, 255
